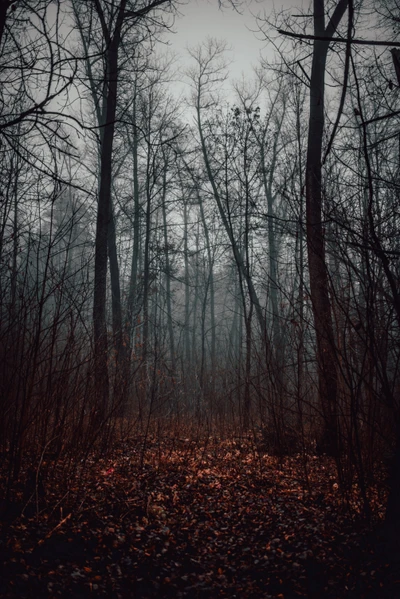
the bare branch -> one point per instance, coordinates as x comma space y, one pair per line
342, 40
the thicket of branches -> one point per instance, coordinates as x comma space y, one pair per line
156, 252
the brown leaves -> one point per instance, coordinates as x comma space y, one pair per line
199, 521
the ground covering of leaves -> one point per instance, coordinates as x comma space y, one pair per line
197, 520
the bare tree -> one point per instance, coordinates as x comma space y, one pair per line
319, 280
116, 22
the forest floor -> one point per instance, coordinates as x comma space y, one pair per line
195, 520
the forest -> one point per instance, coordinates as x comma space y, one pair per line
199, 303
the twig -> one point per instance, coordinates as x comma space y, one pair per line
63, 521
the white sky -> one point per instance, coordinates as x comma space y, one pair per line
202, 18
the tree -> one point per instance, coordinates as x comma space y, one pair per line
209, 71
319, 279
116, 22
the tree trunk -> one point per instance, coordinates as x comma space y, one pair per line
196, 300
300, 308
132, 295
146, 265
104, 215
13, 310
272, 244
319, 280
116, 305
168, 274
4, 5
186, 331
210, 286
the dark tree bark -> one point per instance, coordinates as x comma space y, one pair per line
146, 261
209, 286
4, 6
168, 270
186, 328
104, 210
104, 224
319, 280
132, 296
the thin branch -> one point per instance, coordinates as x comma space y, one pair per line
345, 78
304, 71
343, 40
142, 12
36, 108
388, 115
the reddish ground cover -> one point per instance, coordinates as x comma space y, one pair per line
216, 519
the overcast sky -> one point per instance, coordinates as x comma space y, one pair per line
202, 18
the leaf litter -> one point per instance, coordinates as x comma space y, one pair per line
197, 520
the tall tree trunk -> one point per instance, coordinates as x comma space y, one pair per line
104, 215
196, 299
13, 306
210, 286
132, 295
300, 309
319, 280
248, 316
272, 243
100, 102
146, 264
168, 273
186, 331
116, 304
